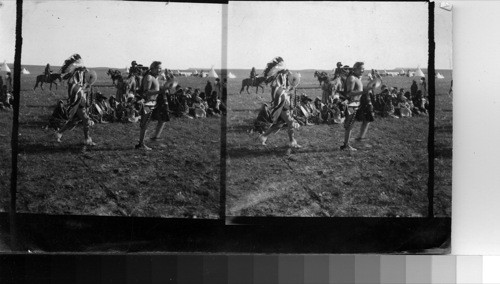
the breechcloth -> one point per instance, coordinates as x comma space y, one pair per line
350, 117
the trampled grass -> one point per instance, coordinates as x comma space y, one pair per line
386, 177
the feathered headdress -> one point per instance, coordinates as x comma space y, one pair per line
71, 63
273, 67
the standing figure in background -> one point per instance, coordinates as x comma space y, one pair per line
208, 88
8, 82
423, 87
217, 88
338, 70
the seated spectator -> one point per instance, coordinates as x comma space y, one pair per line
408, 96
420, 105
178, 102
388, 110
6, 98
403, 107
113, 103
101, 111
202, 95
199, 108
213, 104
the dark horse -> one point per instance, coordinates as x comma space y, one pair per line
115, 74
52, 80
259, 82
322, 77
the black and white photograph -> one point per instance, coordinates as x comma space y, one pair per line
120, 108
329, 110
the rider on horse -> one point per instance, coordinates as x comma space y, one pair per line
253, 75
47, 73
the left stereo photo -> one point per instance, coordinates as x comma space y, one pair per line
120, 109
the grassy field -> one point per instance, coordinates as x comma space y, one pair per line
386, 177
179, 178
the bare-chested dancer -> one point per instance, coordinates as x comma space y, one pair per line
361, 111
150, 91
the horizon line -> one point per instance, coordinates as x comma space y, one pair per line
208, 68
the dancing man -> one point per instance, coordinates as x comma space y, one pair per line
154, 104
78, 93
281, 108
359, 104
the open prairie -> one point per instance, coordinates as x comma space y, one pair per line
386, 177
180, 177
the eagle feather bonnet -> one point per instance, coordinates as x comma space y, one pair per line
274, 67
71, 64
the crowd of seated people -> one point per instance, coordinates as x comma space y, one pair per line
399, 103
182, 102
389, 102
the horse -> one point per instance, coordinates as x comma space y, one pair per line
114, 74
52, 80
322, 77
258, 82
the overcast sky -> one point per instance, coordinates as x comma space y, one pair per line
113, 33
307, 35
318, 35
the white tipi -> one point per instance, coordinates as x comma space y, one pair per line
5, 67
212, 73
25, 71
231, 75
419, 72
439, 76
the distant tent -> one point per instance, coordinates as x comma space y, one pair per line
195, 72
419, 73
231, 75
126, 69
439, 76
25, 71
402, 72
212, 73
5, 67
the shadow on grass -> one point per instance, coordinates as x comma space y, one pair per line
268, 151
255, 152
36, 124
245, 110
65, 148
443, 152
40, 106
239, 128
444, 128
